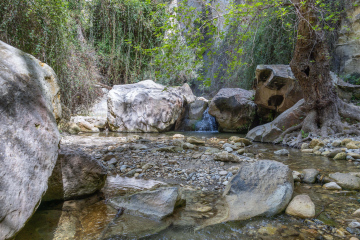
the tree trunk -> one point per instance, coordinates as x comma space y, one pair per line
311, 66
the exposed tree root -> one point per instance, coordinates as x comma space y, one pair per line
324, 122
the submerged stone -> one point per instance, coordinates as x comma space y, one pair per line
155, 204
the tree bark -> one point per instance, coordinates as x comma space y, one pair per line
311, 66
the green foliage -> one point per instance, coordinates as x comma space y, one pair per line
228, 44
85, 42
353, 78
304, 134
124, 41
45, 29
123, 31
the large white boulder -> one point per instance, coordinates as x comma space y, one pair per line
146, 106
29, 138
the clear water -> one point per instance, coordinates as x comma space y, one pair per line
93, 218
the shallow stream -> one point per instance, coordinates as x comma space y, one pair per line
93, 218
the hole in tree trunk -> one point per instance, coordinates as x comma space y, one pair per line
307, 71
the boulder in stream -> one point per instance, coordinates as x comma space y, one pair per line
262, 188
76, 175
29, 137
233, 109
146, 106
346, 180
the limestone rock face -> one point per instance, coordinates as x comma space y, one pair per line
262, 188
348, 48
76, 174
29, 136
233, 109
269, 132
276, 89
146, 106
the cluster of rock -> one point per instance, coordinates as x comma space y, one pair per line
345, 149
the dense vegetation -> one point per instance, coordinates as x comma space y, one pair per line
123, 41
86, 42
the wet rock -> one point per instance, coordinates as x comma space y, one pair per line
147, 166
296, 176
133, 227
301, 206
241, 151
229, 149
356, 213
146, 106
354, 155
262, 188
325, 153
234, 147
332, 154
74, 128
345, 141
353, 230
156, 204
188, 146
336, 143
352, 145
346, 180
354, 225
178, 142
178, 136
282, 152
29, 137
331, 186
89, 124
76, 174
210, 151
307, 150
196, 141
225, 156
304, 146
270, 132
236, 139
170, 149
112, 161
138, 147
340, 156
316, 143
233, 109
131, 173
309, 175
